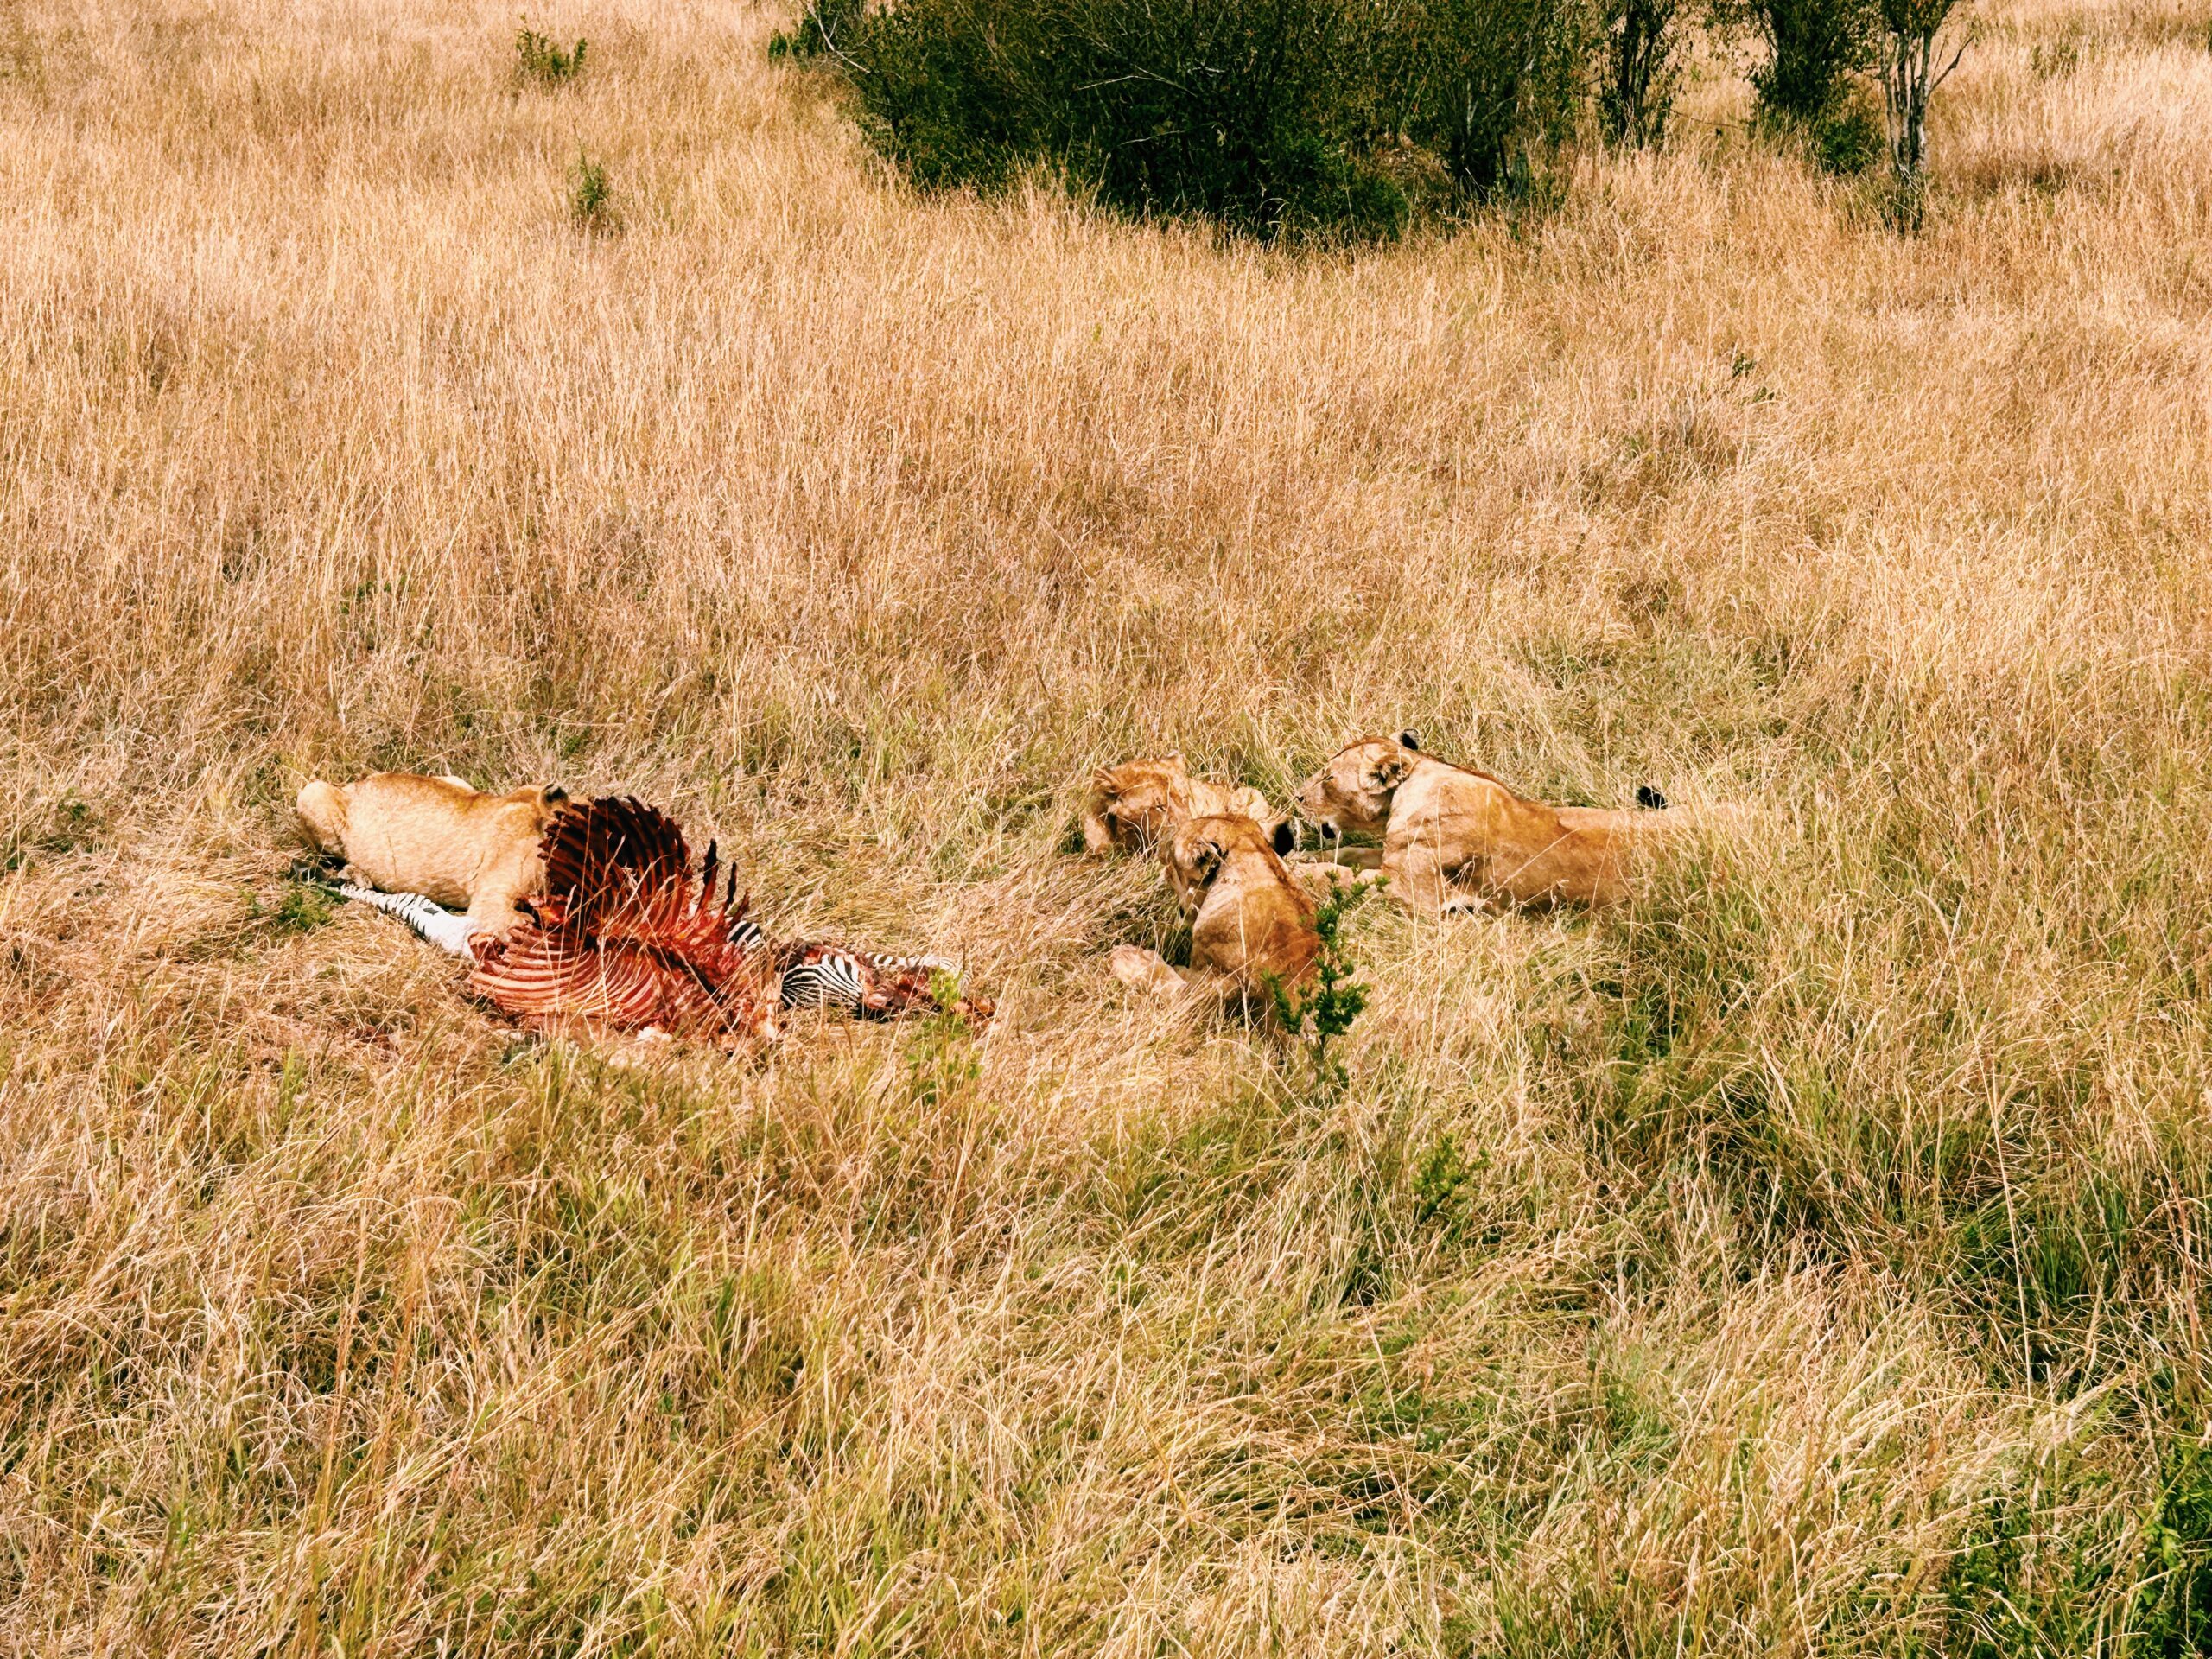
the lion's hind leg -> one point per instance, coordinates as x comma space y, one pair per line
1144, 970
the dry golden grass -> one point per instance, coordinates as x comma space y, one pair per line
1814, 1260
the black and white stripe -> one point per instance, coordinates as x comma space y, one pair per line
839, 979
836, 980
426, 920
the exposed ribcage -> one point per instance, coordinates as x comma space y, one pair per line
615, 982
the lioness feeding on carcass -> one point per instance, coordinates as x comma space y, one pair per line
438, 837
615, 935
1455, 838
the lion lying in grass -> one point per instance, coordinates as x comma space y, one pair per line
1251, 925
437, 836
1455, 838
1138, 805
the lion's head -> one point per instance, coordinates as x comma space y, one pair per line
1199, 846
1137, 804
1353, 791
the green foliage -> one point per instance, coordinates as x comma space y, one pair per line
1236, 110
822, 27
2172, 1616
591, 204
1300, 119
941, 1056
1642, 73
540, 61
2016, 1589
1848, 138
1326, 1009
1814, 49
1443, 1183
1492, 87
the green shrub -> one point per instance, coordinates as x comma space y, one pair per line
1848, 138
1326, 1008
942, 1060
1237, 110
540, 61
591, 199
2173, 1611
1306, 118
1813, 47
822, 29
1641, 71
1490, 87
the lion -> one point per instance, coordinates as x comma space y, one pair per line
1455, 838
1252, 926
404, 832
1136, 806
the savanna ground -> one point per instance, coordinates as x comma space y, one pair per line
1812, 1260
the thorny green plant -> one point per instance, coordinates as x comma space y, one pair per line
542, 62
941, 1056
1316, 1017
591, 199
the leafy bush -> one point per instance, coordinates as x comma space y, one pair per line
540, 61
1641, 71
1814, 49
1326, 1009
591, 199
1300, 118
941, 1056
1491, 86
1849, 138
2173, 1616
1234, 108
821, 29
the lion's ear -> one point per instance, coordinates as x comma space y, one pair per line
1205, 859
1285, 838
554, 795
1390, 770
1410, 738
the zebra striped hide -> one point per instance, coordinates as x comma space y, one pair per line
625, 936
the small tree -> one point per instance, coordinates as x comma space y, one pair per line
1325, 1010
822, 29
1489, 87
1909, 54
1813, 47
1641, 73
543, 60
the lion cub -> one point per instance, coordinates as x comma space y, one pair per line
1455, 838
1137, 806
437, 836
1251, 925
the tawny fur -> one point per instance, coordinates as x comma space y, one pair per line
1251, 925
1136, 806
1454, 837
404, 832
